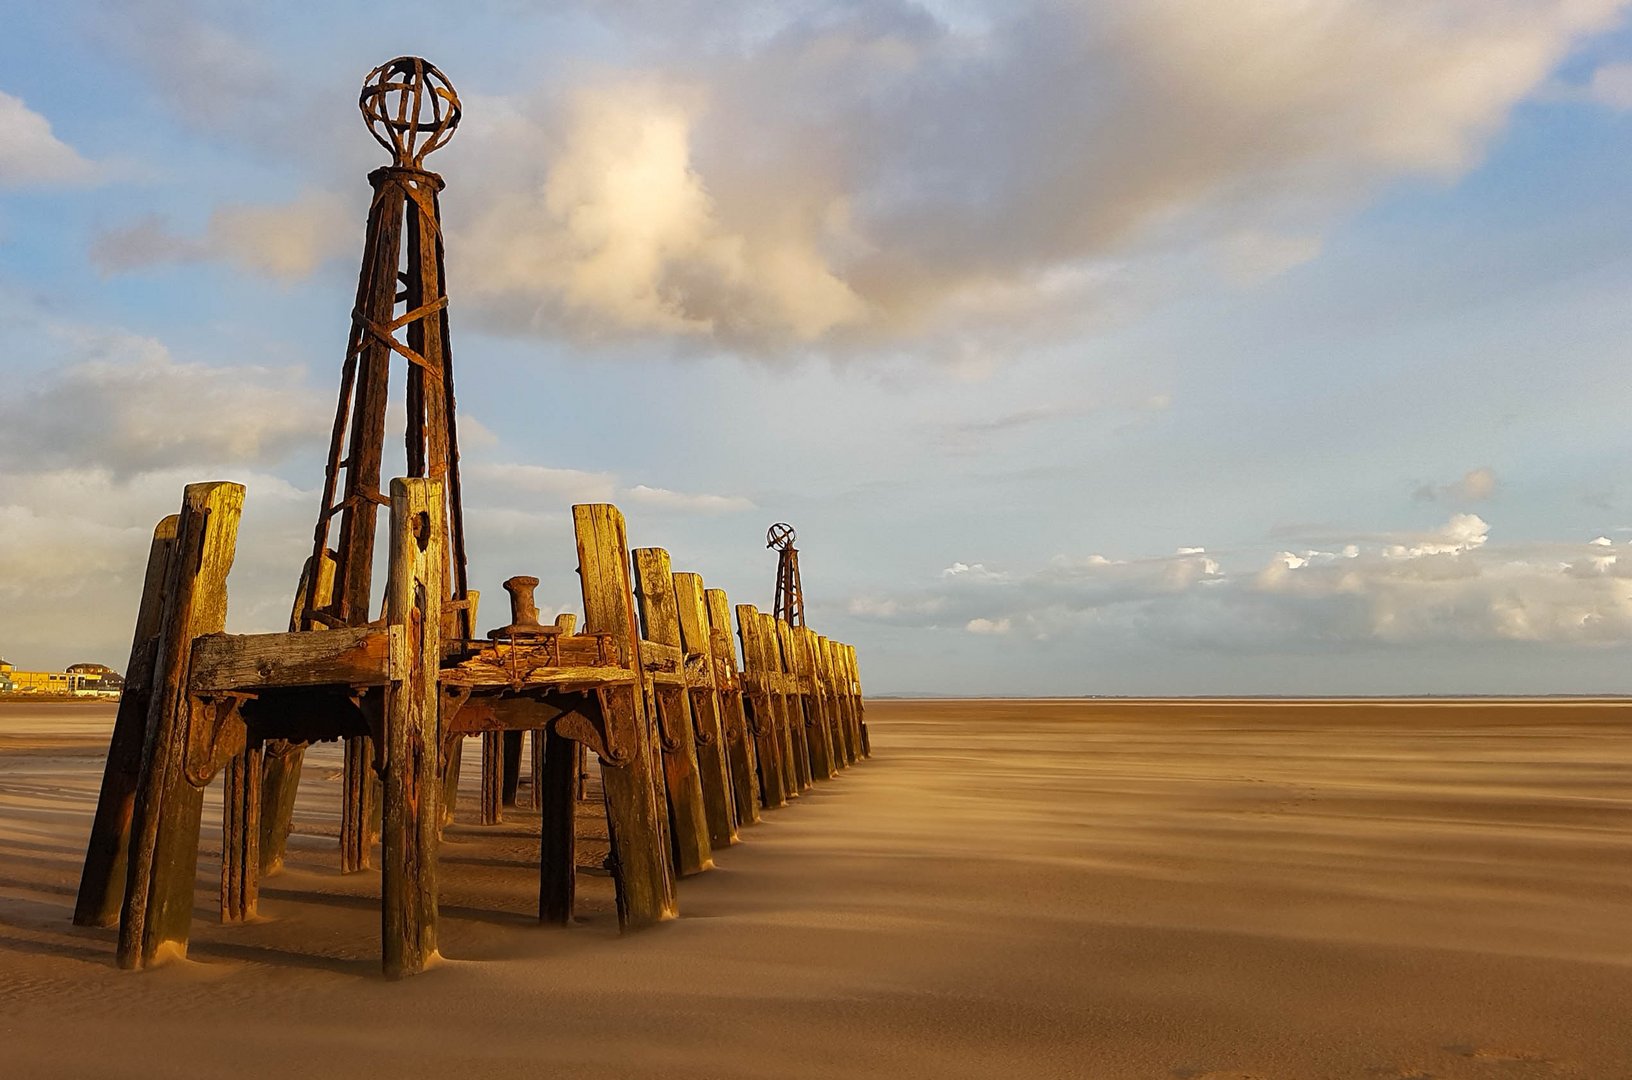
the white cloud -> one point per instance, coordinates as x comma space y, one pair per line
1610, 85
1475, 485
130, 407
681, 502
285, 241
1445, 585
31, 155
507, 479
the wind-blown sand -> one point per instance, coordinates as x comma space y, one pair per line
1086, 889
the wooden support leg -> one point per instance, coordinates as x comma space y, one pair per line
356, 813
512, 767
713, 766
536, 742
279, 784
554, 793
688, 814
163, 857
450, 782
634, 789
412, 791
793, 705
583, 773
241, 836
492, 777
102, 883
763, 712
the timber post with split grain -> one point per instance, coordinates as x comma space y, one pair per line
691, 743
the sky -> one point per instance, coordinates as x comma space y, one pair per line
1272, 347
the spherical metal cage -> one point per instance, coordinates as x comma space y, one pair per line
410, 108
780, 536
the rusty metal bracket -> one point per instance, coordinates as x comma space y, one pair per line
215, 732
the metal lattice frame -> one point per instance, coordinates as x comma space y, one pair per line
790, 595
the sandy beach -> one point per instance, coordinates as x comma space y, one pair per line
1218, 890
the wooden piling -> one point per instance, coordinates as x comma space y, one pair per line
794, 704
102, 882
492, 777
635, 812
556, 799
660, 623
819, 737
163, 858
412, 793
763, 710
241, 835
739, 741
713, 766
794, 777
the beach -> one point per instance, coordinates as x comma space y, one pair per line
1215, 890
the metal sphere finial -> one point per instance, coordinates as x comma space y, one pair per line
780, 536
410, 107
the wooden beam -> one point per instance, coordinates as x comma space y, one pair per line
102, 882
163, 860
634, 794
414, 592
713, 766
346, 656
688, 816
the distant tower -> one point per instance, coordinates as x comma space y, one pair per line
790, 597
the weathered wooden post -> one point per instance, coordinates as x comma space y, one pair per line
163, 858
816, 727
796, 771
102, 882
241, 835
763, 710
844, 753
412, 812
854, 671
799, 721
659, 614
739, 740
635, 811
713, 766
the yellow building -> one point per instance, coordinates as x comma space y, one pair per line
81, 679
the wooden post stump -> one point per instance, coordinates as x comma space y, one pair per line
634, 791
713, 764
158, 904
739, 740
102, 882
774, 770
817, 735
688, 816
241, 835
492, 777
412, 812
793, 703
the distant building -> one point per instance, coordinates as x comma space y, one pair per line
80, 680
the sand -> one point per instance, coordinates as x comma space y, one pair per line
1048, 889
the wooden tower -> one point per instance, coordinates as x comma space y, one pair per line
401, 310
790, 597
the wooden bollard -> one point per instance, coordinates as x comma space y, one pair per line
163, 860
844, 753
798, 706
713, 765
763, 710
102, 882
634, 792
412, 792
739, 740
688, 816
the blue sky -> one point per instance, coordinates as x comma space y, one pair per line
1257, 348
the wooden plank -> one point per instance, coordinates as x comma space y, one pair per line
102, 881
352, 655
739, 743
158, 904
414, 593
660, 619
635, 813
713, 766
762, 710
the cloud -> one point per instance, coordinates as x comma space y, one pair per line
1448, 584
1475, 485
499, 479
31, 156
663, 499
128, 406
845, 176
286, 241
1610, 85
